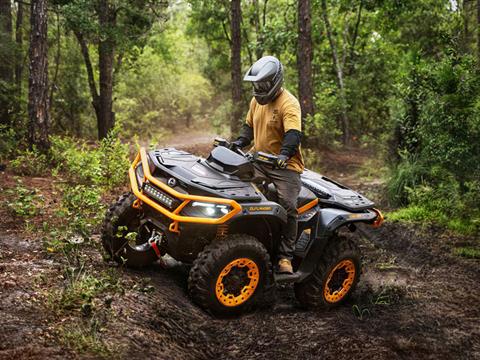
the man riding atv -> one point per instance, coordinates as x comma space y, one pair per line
209, 214
274, 124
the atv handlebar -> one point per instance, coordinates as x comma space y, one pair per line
258, 157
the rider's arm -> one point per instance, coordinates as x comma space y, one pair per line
292, 123
246, 132
291, 142
245, 137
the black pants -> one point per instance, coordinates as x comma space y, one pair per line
288, 185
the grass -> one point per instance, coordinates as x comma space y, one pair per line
86, 337
420, 214
467, 252
385, 296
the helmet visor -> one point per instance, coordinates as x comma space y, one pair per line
262, 86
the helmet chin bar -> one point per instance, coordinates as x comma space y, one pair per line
265, 98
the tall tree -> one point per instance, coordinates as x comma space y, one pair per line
236, 64
6, 68
38, 110
338, 68
478, 30
19, 49
114, 28
304, 58
106, 47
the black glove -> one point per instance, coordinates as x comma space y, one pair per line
235, 145
282, 161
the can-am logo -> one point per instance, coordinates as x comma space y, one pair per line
172, 182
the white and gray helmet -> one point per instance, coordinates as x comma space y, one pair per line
266, 75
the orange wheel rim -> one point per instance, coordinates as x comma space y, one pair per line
339, 281
245, 288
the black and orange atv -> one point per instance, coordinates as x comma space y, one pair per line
209, 213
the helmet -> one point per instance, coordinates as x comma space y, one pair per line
266, 74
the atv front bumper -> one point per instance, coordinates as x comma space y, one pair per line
175, 214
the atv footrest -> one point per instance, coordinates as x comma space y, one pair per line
287, 278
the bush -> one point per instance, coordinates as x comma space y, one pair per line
83, 206
104, 166
321, 130
439, 161
8, 142
30, 163
25, 202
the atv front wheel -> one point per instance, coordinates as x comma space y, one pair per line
120, 234
335, 277
228, 276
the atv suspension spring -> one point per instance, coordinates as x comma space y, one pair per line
222, 231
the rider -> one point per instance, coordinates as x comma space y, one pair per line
274, 124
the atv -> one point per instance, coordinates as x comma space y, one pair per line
213, 215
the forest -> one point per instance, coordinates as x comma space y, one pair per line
390, 106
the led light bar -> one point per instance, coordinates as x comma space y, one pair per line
158, 195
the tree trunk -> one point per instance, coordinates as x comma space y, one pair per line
236, 65
6, 68
19, 50
478, 30
339, 75
258, 31
106, 48
90, 75
38, 111
304, 58
57, 61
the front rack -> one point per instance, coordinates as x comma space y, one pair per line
175, 215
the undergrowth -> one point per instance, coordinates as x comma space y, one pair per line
83, 175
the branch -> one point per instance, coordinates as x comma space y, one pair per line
247, 42
344, 44
57, 61
88, 65
265, 12
355, 36
336, 63
226, 33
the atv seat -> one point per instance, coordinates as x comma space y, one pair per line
304, 197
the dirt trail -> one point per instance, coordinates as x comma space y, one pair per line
415, 301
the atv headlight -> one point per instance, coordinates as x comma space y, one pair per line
204, 209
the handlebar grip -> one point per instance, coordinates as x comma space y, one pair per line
265, 158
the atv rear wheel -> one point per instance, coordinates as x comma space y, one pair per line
335, 277
229, 276
121, 221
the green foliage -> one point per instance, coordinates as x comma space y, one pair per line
164, 87
24, 202
82, 291
468, 252
8, 142
114, 162
82, 205
409, 174
103, 166
86, 338
321, 130
439, 169
30, 162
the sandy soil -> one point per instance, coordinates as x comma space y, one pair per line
416, 300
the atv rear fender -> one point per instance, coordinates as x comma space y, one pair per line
330, 220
